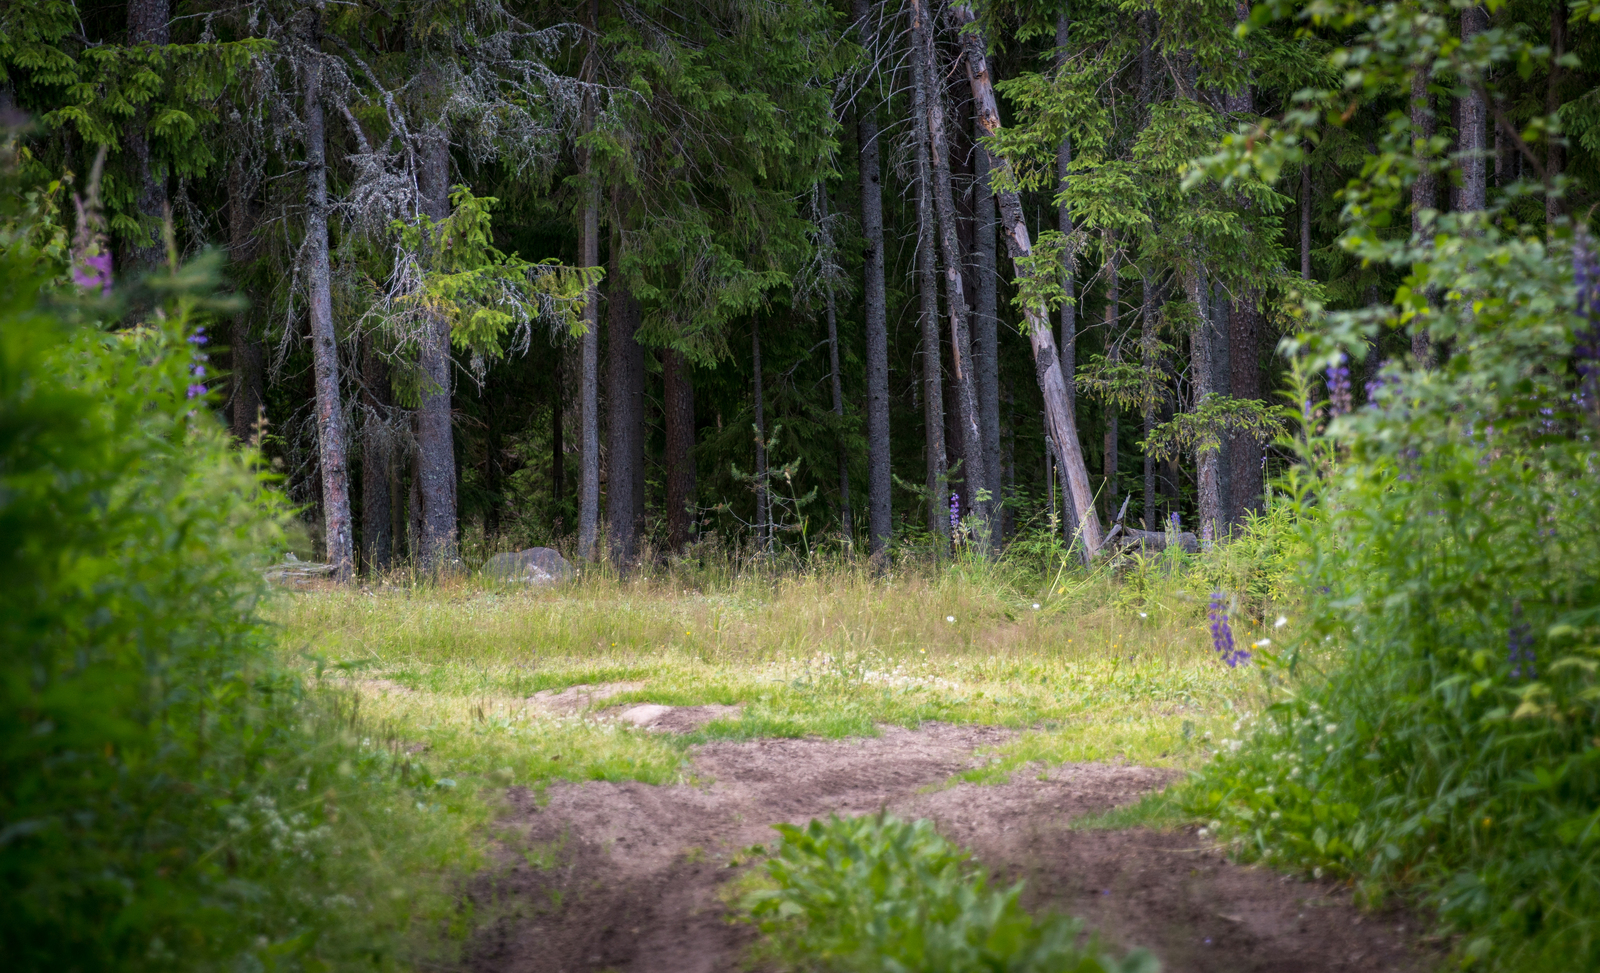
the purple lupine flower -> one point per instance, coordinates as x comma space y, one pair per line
195, 391
92, 270
1379, 382
1586, 276
1222, 633
955, 513
1519, 645
1339, 386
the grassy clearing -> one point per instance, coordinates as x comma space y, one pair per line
447, 673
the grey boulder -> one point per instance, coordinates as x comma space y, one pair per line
534, 566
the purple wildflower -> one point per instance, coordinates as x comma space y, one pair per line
91, 249
1519, 645
1222, 633
955, 513
1339, 386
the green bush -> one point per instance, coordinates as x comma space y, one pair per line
1443, 728
878, 894
170, 797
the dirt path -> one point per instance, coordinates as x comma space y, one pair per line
628, 874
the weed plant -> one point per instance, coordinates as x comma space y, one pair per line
878, 895
171, 796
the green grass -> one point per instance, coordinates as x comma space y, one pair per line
448, 672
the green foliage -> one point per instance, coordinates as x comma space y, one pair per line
1440, 726
878, 894
170, 797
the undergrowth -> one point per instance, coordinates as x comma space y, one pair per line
878, 895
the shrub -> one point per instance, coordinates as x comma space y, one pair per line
878, 894
170, 797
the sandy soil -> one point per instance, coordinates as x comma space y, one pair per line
626, 876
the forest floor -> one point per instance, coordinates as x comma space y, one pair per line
634, 744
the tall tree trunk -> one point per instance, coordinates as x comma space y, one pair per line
874, 306
1059, 419
245, 383
763, 498
1552, 102
377, 462
1305, 221
1243, 452
1208, 462
837, 380
1424, 190
1221, 318
148, 23
589, 350
331, 448
1069, 282
558, 423
436, 452
1149, 362
986, 346
678, 406
1474, 127
1113, 356
624, 417
937, 486
966, 389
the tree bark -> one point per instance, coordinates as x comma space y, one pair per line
678, 404
837, 380
1069, 307
436, 452
624, 418
763, 499
1208, 462
245, 383
1424, 190
558, 424
1113, 356
589, 347
1059, 419
148, 23
1245, 451
1474, 126
874, 306
331, 447
377, 462
961, 369
986, 345
938, 506
1149, 362
1552, 102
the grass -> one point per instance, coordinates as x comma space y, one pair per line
446, 672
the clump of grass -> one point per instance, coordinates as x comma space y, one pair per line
874, 893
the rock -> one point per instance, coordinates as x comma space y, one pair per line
534, 566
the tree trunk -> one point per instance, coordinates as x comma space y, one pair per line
966, 390
246, 379
1474, 127
558, 421
436, 452
331, 448
1552, 102
938, 507
377, 462
1113, 356
624, 418
1060, 421
1149, 362
589, 351
763, 500
1244, 450
1069, 283
874, 306
678, 404
1208, 462
986, 346
1305, 221
1423, 190
833, 364
148, 23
